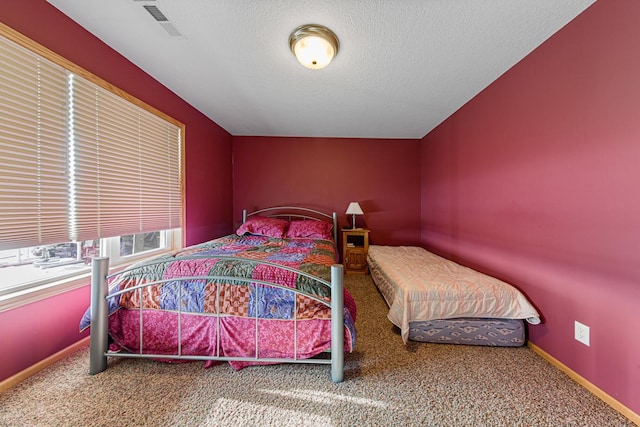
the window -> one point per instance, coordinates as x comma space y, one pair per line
24, 268
86, 169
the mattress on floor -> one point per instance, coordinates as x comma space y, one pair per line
399, 274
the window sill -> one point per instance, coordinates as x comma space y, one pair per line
20, 297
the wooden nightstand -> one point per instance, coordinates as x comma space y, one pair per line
355, 246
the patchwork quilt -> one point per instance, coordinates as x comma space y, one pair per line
227, 317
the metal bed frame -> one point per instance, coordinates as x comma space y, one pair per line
99, 339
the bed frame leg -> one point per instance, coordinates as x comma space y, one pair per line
99, 340
337, 323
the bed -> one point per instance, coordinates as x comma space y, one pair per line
432, 299
270, 293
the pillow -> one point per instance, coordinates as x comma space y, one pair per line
310, 229
263, 226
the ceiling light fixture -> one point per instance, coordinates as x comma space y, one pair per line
314, 45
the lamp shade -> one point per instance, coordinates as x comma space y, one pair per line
354, 209
314, 45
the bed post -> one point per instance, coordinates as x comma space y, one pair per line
99, 316
244, 216
337, 323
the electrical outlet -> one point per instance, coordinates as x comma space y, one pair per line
581, 333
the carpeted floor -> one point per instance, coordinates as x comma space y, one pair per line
386, 384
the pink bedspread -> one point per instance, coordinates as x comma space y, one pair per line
224, 317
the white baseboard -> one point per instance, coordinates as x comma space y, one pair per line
635, 418
34, 369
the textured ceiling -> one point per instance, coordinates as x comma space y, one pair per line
403, 67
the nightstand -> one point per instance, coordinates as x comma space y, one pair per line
355, 246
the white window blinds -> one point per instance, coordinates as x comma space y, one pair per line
33, 154
79, 162
126, 166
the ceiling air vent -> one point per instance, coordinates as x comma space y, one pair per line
155, 12
162, 20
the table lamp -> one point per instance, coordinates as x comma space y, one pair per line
353, 210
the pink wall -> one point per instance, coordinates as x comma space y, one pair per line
536, 181
382, 175
33, 332
48, 326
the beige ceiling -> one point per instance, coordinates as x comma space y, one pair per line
403, 67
